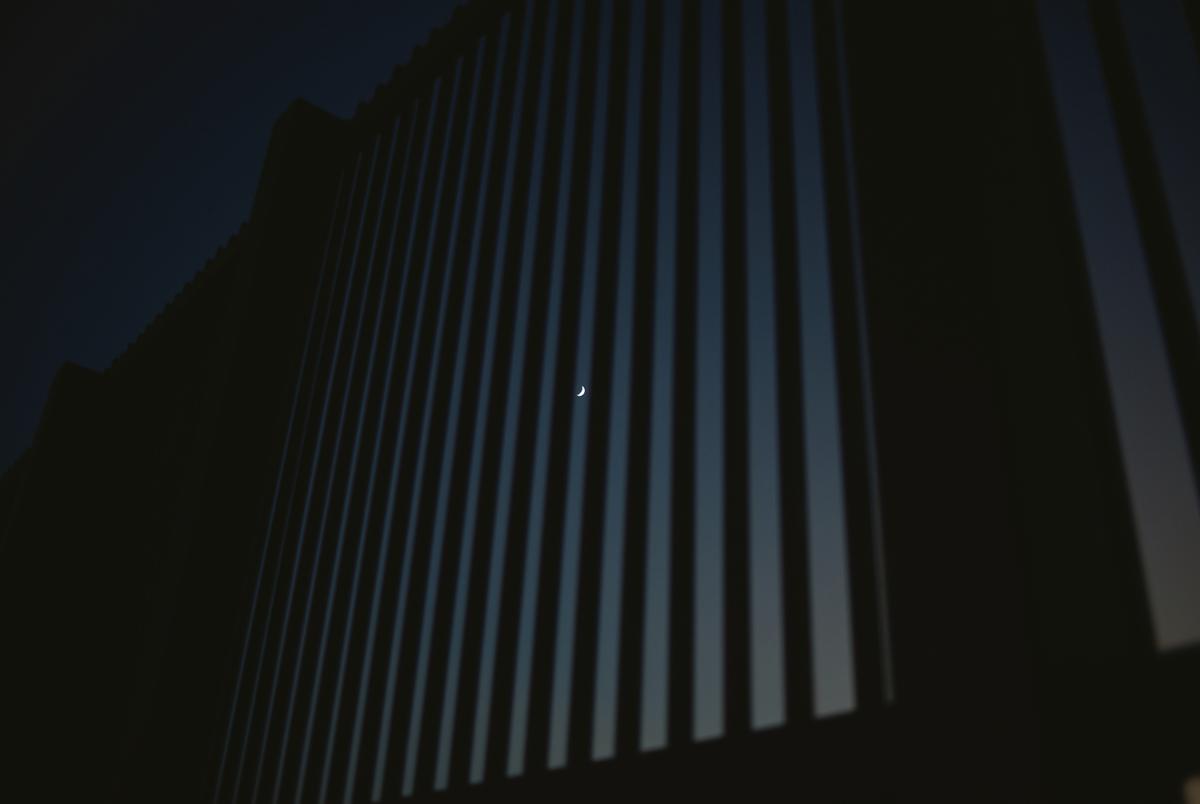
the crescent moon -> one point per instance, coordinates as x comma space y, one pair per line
582, 390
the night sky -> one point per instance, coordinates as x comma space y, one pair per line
132, 139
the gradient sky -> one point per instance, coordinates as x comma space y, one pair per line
132, 141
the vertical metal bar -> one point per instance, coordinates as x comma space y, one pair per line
550, 391
561, 692
304, 378
507, 217
711, 657
310, 537
484, 313
500, 736
364, 385
472, 377
553, 517
452, 492
1178, 299
871, 593
381, 615
765, 588
1158, 471
1166, 68
350, 389
500, 446
862, 502
797, 636
358, 516
587, 612
268, 642
430, 418
390, 602
633, 598
827, 576
683, 479
608, 631
737, 543
656, 679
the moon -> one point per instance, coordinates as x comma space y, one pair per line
582, 390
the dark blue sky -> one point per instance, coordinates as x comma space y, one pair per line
132, 140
